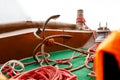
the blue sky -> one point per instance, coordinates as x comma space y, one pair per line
95, 11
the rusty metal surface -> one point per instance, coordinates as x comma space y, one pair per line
21, 46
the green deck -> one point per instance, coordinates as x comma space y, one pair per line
81, 74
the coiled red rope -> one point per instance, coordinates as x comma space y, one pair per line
47, 73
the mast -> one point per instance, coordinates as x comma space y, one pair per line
80, 21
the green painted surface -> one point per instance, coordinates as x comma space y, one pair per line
82, 74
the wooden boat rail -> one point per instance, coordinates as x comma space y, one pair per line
20, 42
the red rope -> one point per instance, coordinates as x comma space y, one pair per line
9, 71
47, 73
81, 20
